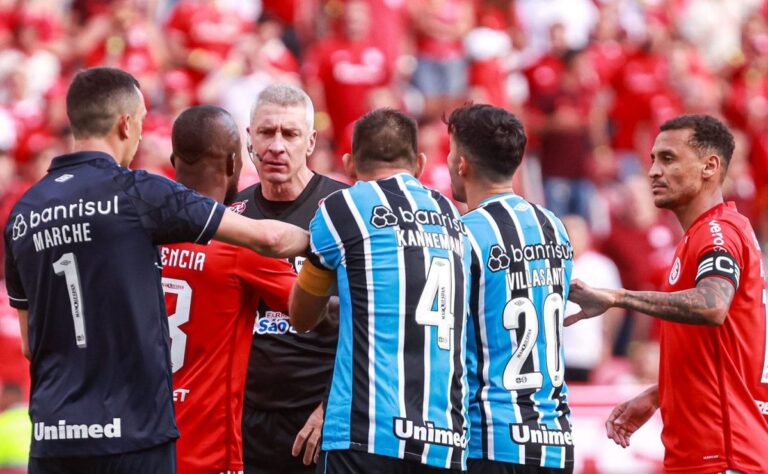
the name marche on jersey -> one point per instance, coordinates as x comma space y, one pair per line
64, 233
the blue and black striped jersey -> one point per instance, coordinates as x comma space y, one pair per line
400, 254
521, 271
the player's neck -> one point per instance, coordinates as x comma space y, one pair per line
96, 144
382, 173
687, 215
288, 191
479, 191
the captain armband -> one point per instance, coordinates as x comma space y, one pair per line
316, 281
720, 264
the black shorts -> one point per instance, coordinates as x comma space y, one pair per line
484, 466
268, 437
159, 459
348, 461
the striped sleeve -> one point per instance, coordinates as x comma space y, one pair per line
324, 241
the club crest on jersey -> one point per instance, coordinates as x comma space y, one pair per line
19, 227
238, 207
382, 216
498, 259
273, 322
674, 274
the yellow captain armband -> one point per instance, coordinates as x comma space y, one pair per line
315, 281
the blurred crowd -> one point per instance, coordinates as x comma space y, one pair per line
591, 79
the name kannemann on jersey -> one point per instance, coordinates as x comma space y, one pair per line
82, 431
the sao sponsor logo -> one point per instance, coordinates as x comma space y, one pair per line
273, 322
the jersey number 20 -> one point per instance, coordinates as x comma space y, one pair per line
523, 307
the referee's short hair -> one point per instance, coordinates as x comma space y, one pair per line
97, 97
491, 138
384, 136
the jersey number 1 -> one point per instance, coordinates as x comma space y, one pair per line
67, 266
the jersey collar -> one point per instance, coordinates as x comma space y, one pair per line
78, 158
712, 211
498, 197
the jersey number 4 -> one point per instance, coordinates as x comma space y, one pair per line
183, 293
435, 307
513, 378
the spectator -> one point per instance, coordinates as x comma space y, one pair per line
586, 347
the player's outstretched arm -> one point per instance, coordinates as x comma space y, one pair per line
24, 329
310, 435
265, 236
629, 416
706, 304
593, 301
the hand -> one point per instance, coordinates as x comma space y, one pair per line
310, 434
629, 416
593, 301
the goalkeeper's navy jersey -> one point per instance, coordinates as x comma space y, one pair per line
521, 271
398, 387
81, 257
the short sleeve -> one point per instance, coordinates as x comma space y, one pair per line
717, 250
169, 211
324, 248
16, 294
269, 278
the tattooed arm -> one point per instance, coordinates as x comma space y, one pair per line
707, 304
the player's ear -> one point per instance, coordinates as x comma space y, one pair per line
123, 125
712, 166
463, 166
421, 164
349, 166
231, 164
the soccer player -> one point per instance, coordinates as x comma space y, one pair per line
397, 251
288, 372
713, 376
520, 273
212, 292
83, 270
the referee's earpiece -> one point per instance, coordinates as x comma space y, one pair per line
248, 144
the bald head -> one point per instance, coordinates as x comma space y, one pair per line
204, 132
206, 151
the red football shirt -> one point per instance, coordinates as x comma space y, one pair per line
711, 379
212, 293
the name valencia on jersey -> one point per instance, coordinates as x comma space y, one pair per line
58, 233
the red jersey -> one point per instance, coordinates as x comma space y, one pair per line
212, 293
712, 380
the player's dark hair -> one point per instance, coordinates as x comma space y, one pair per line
491, 138
384, 136
200, 131
97, 97
709, 135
